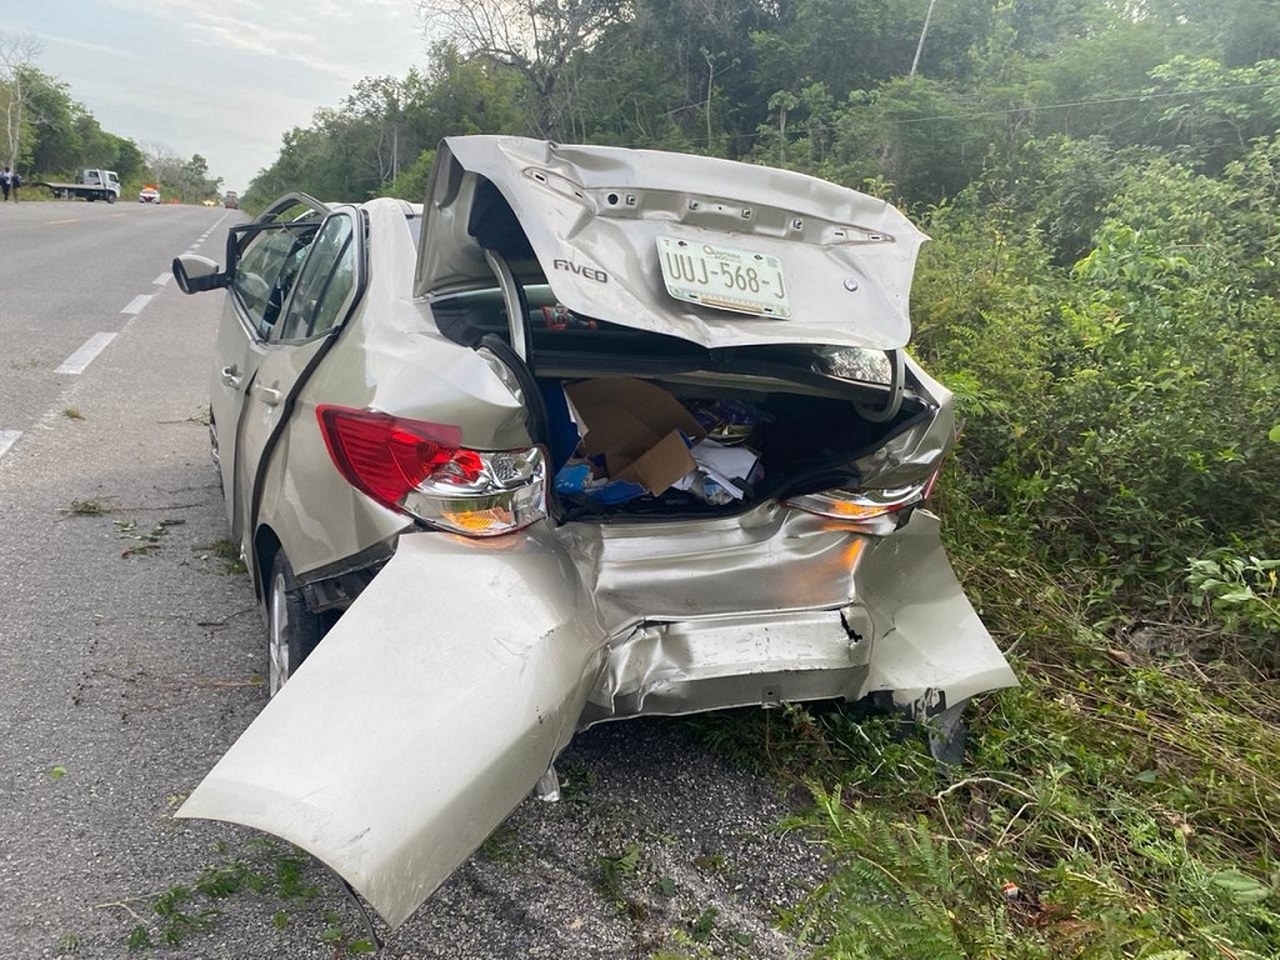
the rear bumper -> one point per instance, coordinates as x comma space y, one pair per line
788, 610
692, 666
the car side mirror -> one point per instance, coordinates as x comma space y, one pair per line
195, 273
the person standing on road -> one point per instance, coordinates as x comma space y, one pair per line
5, 181
15, 182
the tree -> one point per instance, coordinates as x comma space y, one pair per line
52, 115
129, 162
537, 38
186, 179
17, 58
381, 103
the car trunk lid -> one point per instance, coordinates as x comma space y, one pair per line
600, 222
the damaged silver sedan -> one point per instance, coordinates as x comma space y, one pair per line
594, 433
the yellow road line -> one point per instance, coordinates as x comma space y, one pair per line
72, 220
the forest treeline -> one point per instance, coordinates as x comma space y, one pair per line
856, 91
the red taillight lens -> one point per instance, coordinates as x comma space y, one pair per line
386, 456
421, 469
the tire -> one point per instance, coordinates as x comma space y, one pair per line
292, 630
111, 197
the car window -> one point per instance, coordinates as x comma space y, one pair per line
325, 285
265, 271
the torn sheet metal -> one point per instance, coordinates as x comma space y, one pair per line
880, 614
427, 714
445, 692
695, 665
931, 648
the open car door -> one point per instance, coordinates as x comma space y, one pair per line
428, 713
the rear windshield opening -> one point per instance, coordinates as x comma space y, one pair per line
562, 340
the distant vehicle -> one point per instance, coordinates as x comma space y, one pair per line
149, 194
91, 184
209, 203
231, 201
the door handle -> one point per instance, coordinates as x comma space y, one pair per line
266, 394
229, 377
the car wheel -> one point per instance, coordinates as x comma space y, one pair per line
292, 630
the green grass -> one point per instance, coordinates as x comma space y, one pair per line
503, 845
262, 868
91, 507
228, 552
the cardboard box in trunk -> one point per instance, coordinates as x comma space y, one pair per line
637, 428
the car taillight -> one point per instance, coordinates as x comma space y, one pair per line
872, 508
422, 469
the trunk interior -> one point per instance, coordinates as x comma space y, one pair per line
796, 406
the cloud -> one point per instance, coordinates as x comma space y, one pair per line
95, 47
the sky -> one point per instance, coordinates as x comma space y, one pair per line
221, 78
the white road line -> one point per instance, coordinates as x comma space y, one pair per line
161, 280
205, 236
77, 362
7, 439
137, 303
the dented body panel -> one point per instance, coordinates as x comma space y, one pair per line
594, 214
410, 734
416, 727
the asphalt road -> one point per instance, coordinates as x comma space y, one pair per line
131, 657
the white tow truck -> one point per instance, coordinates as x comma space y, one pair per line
91, 184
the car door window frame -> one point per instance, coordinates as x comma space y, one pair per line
239, 239
294, 212
355, 247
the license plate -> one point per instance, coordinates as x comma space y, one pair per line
724, 277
